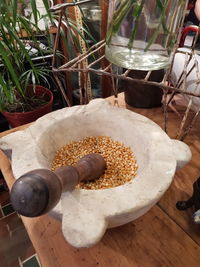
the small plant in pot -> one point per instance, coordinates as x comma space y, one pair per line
22, 97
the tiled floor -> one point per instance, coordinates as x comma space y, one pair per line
16, 249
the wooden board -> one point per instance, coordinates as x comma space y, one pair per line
152, 240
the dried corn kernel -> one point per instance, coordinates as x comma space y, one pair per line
120, 161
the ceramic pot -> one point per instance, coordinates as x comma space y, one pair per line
86, 214
20, 118
141, 95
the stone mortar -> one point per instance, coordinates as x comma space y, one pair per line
86, 214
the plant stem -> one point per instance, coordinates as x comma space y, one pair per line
121, 12
137, 15
157, 31
118, 17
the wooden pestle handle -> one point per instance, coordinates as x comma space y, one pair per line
88, 168
38, 191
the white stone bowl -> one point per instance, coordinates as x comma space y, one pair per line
86, 214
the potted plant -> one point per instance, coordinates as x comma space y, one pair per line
22, 96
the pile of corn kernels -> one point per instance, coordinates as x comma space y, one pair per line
121, 165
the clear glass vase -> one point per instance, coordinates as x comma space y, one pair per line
142, 34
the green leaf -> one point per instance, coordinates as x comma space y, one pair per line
14, 12
10, 68
159, 4
75, 28
4, 86
46, 5
34, 10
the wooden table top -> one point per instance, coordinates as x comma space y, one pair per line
163, 236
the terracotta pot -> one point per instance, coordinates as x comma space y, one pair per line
19, 118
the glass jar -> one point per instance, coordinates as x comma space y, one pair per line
142, 34
92, 10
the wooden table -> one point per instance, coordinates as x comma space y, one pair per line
162, 237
